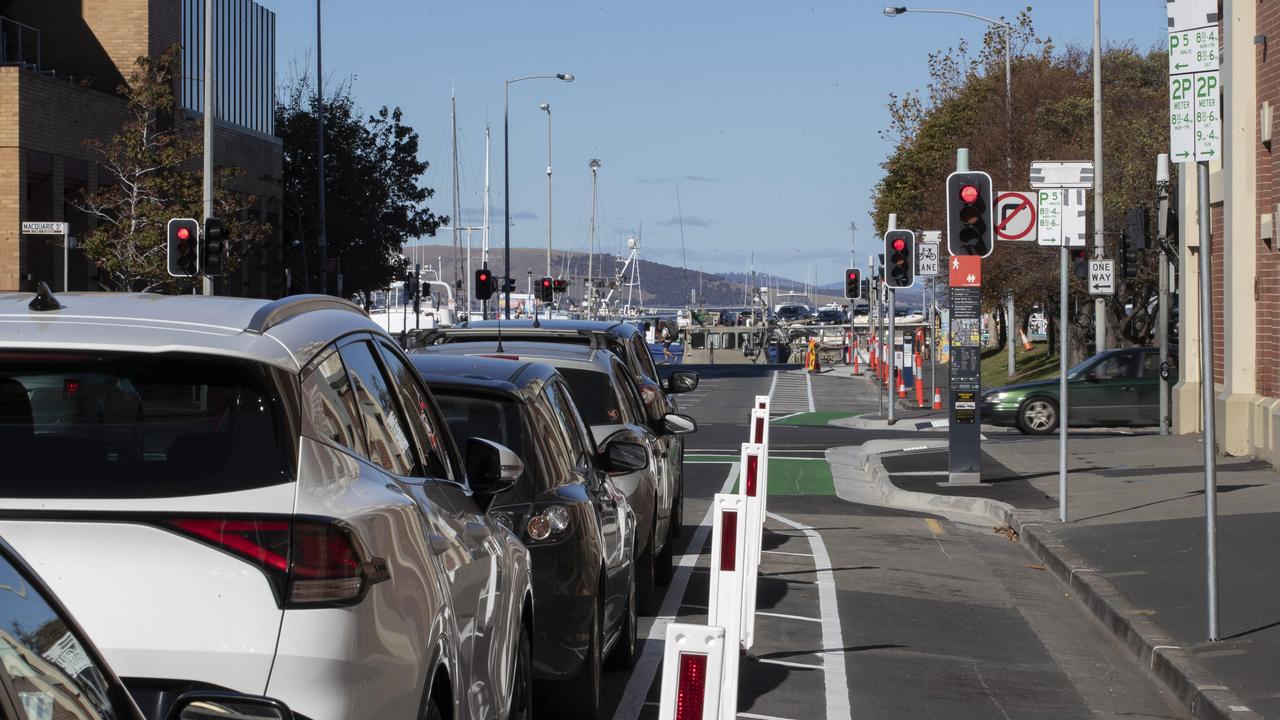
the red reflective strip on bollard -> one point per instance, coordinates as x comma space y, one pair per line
759, 434
729, 541
692, 688
753, 465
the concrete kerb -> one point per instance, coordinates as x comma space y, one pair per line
860, 477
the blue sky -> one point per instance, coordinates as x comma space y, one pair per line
764, 112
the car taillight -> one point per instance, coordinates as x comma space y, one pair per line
307, 561
692, 687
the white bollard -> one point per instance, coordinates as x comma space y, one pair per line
729, 558
750, 486
762, 402
760, 436
693, 661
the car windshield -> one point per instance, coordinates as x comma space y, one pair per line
593, 394
130, 425
489, 417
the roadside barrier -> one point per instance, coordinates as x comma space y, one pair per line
871, 354
754, 487
693, 661
762, 402
729, 564
853, 350
919, 382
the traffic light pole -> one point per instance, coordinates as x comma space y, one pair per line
890, 342
1162, 319
207, 193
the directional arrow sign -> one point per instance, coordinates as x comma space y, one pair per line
1102, 277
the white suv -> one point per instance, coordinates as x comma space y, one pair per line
261, 497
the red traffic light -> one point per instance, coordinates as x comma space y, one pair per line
484, 276
546, 282
969, 193
899, 244
853, 276
183, 233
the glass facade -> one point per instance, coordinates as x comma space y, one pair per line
244, 62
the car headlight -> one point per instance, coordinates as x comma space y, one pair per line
996, 397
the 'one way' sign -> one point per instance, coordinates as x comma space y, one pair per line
1102, 277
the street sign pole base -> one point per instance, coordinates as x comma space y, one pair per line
964, 478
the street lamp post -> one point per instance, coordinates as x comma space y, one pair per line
590, 291
545, 107
506, 176
894, 11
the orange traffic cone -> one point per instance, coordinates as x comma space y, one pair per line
1026, 344
919, 384
937, 399
902, 387
853, 348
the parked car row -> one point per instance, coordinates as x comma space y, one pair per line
269, 509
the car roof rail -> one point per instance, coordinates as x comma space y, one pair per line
277, 311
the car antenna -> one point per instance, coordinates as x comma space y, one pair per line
44, 299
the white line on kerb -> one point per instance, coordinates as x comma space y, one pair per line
773, 384
808, 383
833, 672
637, 690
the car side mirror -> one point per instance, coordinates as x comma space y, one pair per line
208, 705
621, 456
491, 468
682, 381
678, 424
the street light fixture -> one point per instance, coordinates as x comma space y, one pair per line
894, 11
506, 174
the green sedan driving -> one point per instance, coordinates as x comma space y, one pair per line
1113, 388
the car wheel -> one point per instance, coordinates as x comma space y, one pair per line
580, 697
646, 595
522, 680
626, 650
1038, 416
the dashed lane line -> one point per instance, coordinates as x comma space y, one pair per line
637, 689
833, 670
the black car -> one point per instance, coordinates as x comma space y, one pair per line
830, 317
578, 527
52, 669
623, 339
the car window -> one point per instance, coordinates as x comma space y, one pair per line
1151, 365
384, 430
52, 672
1123, 365
554, 438
483, 416
417, 410
647, 367
632, 405
594, 395
569, 423
132, 425
328, 400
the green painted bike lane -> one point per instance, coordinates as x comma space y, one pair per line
787, 476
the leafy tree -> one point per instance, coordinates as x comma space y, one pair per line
373, 199
154, 174
964, 106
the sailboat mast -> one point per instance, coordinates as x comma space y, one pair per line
456, 220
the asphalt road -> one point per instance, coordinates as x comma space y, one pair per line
872, 613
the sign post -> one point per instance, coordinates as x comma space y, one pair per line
54, 228
1061, 183
1195, 134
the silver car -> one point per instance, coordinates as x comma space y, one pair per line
261, 497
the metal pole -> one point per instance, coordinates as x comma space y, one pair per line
66, 260
1008, 330
547, 108
1063, 399
1099, 247
207, 192
589, 291
1162, 330
1206, 401
322, 240
1008, 103
891, 341
506, 195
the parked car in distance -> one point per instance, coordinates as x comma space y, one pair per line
793, 313
578, 527
605, 397
622, 339
830, 317
1112, 388
50, 668
267, 501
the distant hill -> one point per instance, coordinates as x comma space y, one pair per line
663, 285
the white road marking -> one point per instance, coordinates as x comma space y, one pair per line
754, 716
786, 663
633, 696
788, 617
833, 671
783, 552
808, 384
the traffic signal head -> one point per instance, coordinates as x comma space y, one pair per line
485, 284
970, 225
546, 289
852, 283
183, 247
559, 285
212, 245
899, 252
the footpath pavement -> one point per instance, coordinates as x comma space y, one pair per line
1133, 549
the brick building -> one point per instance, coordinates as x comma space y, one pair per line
61, 63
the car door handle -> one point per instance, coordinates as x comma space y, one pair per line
439, 543
476, 531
